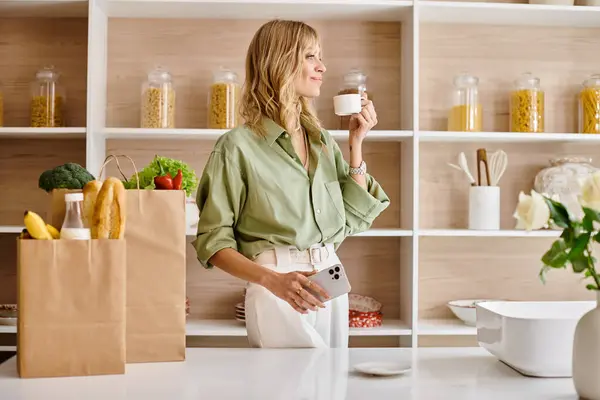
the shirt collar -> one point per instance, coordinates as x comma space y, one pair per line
274, 131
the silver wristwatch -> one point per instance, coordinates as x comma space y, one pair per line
361, 170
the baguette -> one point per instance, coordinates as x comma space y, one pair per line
108, 221
90, 194
118, 213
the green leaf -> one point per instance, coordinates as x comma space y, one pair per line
558, 213
580, 263
591, 213
542, 274
587, 223
591, 286
568, 236
578, 248
597, 237
557, 256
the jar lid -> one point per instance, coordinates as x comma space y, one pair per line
570, 159
465, 79
159, 74
527, 80
47, 74
592, 81
74, 197
355, 76
224, 74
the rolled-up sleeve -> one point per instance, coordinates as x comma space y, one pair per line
220, 198
361, 206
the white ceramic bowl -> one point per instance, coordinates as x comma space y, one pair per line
534, 338
465, 310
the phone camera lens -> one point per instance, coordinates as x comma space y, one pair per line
337, 269
330, 272
336, 276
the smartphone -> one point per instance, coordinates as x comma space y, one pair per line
333, 280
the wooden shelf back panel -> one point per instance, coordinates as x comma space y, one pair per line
379, 156
444, 191
30, 44
372, 265
8, 269
498, 55
193, 49
21, 163
489, 268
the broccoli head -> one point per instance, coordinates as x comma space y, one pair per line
66, 176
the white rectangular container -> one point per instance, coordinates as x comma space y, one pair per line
534, 338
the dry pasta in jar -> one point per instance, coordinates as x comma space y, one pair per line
223, 100
47, 100
158, 100
527, 105
466, 113
589, 105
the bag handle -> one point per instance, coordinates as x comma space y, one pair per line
110, 157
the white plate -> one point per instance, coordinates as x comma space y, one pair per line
382, 368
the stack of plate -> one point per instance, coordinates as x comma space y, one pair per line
8, 314
240, 312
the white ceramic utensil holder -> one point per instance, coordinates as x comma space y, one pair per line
484, 207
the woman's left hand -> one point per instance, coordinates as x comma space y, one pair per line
363, 122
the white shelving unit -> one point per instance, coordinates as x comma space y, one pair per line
411, 14
226, 327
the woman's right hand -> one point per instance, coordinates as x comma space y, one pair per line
291, 288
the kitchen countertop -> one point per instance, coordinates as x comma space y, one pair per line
298, 374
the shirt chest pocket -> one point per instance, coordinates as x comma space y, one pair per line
336, 202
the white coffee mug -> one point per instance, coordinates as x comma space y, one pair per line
347, 104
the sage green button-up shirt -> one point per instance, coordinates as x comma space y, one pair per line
255, 194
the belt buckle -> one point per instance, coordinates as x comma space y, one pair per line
317, 253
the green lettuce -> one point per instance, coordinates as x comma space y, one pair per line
189, 182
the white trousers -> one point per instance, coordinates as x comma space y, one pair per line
272, 323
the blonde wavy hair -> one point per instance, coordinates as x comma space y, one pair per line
273, 62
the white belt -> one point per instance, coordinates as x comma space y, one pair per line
315, 254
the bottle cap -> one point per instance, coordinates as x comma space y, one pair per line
74, 197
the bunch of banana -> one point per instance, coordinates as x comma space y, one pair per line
37, 228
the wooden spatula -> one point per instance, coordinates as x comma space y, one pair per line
482, 157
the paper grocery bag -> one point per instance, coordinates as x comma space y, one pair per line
156, 273
71, 300
58, 207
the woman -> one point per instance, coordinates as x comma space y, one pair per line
276, 197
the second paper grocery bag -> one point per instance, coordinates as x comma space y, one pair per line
156, 273
71, 297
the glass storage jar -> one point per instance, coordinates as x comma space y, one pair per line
562, 179
47, 100
223, 100
158, 100
466, 112
527, 105
355, 81
589, 105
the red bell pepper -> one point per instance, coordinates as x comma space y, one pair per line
163, 181
177, 180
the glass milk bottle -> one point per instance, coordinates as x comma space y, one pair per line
73, 226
